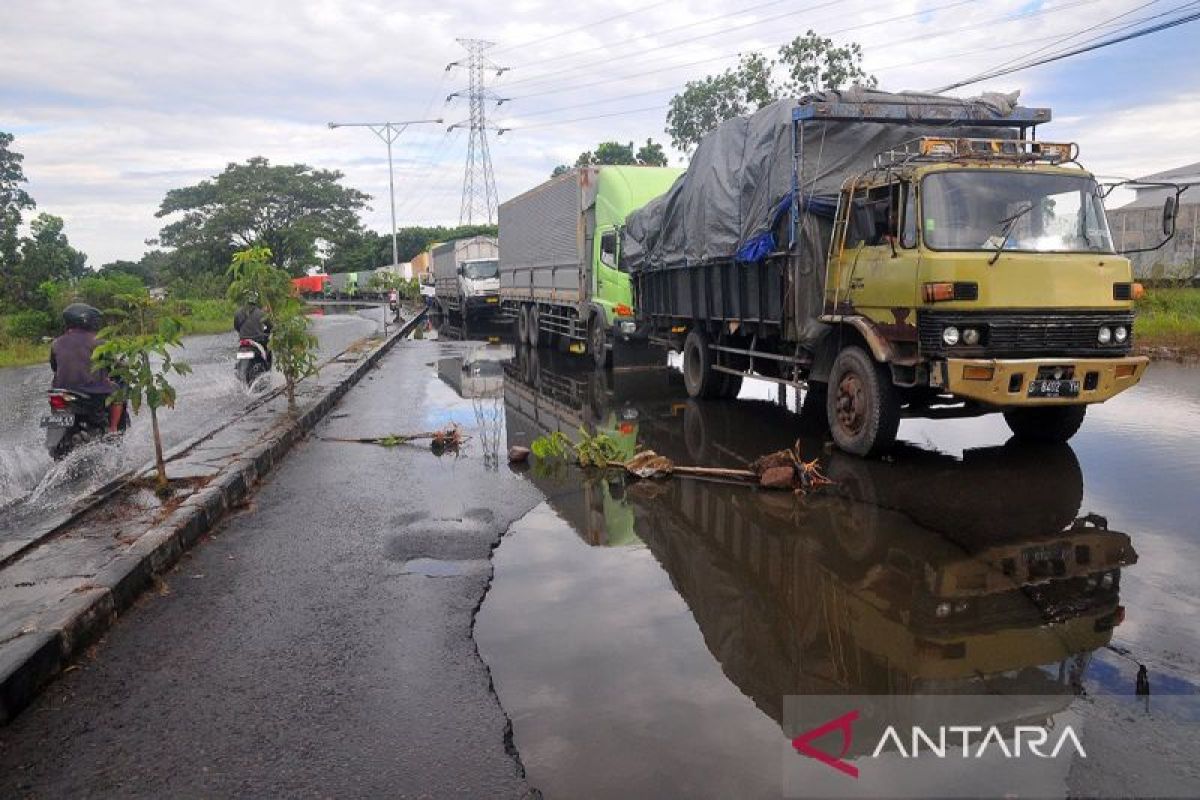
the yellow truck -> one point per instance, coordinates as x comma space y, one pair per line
899, 254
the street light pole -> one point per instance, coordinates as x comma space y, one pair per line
389, 132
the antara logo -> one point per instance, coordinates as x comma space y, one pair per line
976, 741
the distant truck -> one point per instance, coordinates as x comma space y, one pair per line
899, 253
559, 257
465, 277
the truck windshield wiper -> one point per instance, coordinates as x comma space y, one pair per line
1009, 224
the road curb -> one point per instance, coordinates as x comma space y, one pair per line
30, 661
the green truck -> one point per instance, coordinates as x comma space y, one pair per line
560, 277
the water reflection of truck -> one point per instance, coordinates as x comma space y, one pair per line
899, 253
465, 276
862, 588
559, 253
545, 392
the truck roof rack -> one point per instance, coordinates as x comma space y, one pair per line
920, 113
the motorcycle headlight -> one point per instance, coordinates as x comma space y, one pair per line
950, 335
1105, 335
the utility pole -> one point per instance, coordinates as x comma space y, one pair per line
389, 132
479, 182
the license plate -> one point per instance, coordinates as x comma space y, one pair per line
58, 421
1053, 388
245, 354
493, 299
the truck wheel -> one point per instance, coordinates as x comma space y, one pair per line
534, 324
522, 325
861, 404
699, 376
598, 342
1049, 424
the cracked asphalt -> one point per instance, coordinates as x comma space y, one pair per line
319, 643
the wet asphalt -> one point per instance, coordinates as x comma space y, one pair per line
319, 643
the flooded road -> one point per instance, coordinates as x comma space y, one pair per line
32, 487
644, 636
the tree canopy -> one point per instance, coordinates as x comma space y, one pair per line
13, 200
287, 208
809, 63
648, 155
363, 250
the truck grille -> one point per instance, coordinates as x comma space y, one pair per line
1024, 333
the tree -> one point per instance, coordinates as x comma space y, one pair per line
364, 250
809, 63
293, 347
283, 208
44, 255
135, 350
614, 153
13, 200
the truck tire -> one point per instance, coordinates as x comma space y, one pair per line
701, 380
862, 406
534, 324
598, 341
522, 325
1048, 425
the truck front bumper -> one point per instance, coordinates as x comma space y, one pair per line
484, 302
1006, 382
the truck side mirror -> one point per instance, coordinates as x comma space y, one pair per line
1170, 211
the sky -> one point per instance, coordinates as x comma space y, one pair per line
115, 102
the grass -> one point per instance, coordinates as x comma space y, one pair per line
22, 353
203, 317
1169, 318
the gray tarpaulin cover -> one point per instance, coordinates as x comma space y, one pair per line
742, 171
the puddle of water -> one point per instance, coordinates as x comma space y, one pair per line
660, 625
439, 568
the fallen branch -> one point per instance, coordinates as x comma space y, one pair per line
450, 438
784, 469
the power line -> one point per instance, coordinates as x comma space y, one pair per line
896, 42
610, 45
583, 27
710, 59
1137, 34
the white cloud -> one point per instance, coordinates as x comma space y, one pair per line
116, 101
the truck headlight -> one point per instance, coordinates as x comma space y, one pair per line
628, 327
1105, 335
1120, 333
942, 610
950, 335
970, 336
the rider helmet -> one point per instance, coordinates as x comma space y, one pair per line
81, 315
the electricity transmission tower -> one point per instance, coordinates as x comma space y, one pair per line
479, 183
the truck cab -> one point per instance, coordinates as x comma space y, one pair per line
479, 283
978, 274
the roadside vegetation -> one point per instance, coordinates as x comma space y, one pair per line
1170, 317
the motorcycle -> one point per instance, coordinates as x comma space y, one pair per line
253, 361
75, 419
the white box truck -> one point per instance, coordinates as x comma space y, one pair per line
466, 277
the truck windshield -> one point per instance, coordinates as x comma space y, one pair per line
478, 270
1020, 211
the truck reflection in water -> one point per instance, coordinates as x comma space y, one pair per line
925, 574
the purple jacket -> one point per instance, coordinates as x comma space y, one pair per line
71, 360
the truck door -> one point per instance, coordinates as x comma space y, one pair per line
879, 259
608, 286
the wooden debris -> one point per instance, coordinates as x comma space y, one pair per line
449, 438
784, 469
518, 454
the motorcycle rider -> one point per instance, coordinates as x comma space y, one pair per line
251, 322
71, 360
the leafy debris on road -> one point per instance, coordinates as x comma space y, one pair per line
448, 439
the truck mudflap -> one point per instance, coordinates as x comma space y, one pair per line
1038, 381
